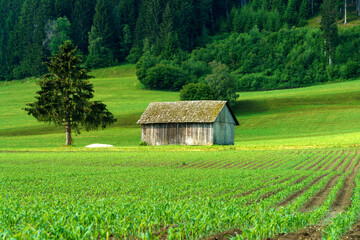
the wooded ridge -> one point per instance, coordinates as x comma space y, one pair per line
183, 36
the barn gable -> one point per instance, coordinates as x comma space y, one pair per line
188, 123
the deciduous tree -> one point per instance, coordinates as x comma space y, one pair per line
222, 83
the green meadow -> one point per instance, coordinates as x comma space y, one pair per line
318, 116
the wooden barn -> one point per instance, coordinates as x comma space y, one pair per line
188, 123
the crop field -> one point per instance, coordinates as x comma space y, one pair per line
177, 194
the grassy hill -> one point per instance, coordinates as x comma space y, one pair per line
326, 115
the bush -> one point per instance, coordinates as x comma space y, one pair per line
145, 62
257, 81
351, 70
164, 77
195, 69
196, 91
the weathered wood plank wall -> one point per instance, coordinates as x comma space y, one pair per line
178, 134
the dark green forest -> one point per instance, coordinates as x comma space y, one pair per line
258, 44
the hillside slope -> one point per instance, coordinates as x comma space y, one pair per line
326, 115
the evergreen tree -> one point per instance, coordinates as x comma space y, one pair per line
125, 16
62, 31
82, 20
292, 12
167, 23
65, 93
182, 17
64, 8
102, 37
329, 28
149, 21
172, 47
4, 32
30, 35
305, 9
125, 41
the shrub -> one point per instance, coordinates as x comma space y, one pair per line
145, 62
164, 77
196, 91
195, 69
351, 70
257, 81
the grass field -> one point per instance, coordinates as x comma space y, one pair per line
319, 116
292, 174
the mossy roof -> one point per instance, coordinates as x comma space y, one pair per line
183, 112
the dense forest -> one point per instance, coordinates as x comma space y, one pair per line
259, 44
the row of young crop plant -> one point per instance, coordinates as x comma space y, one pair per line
327, 161
271, 159
136, 202
309, 157
171, 197
288, 218
344, 221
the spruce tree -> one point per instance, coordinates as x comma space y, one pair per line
305, 9
292, 12
102, 37
125, 15
82, 20
65, 94
167, 23
62, 32
172, 47
30, 35
183, 12
149, 21
329, 28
